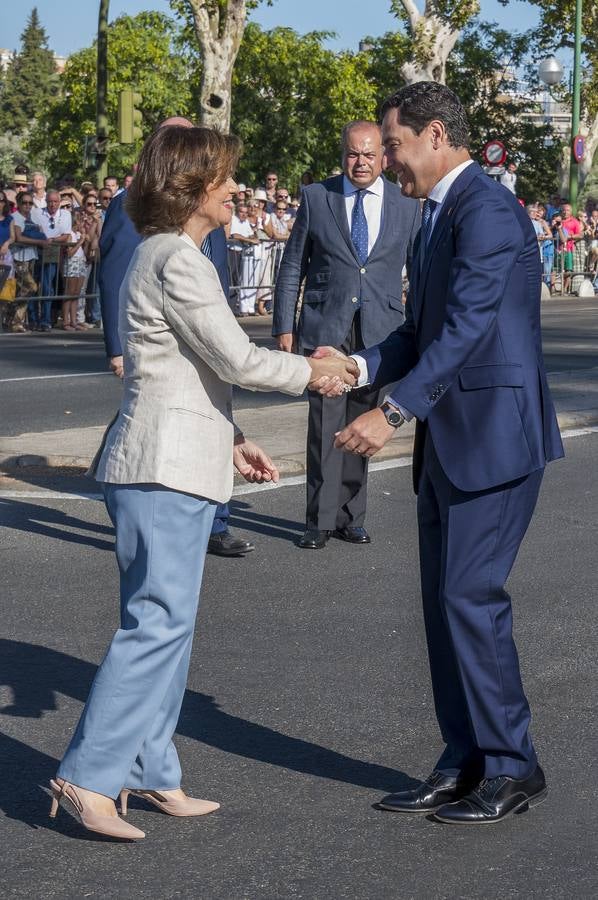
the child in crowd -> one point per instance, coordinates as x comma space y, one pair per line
74, 272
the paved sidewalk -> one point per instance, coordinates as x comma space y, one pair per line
281, 430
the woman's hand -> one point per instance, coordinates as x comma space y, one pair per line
252, 463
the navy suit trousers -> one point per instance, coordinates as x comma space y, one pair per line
468, 544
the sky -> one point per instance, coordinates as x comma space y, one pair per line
71, 26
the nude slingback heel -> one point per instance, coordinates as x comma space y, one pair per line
112, 826
173, 807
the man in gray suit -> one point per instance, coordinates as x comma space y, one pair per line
352, 237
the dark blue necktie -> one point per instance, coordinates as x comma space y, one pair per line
206, 247
426, 227
427, 212
359, 228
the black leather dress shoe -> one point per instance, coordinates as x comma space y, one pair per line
434, 792
353, 534
313, 539
226, 544
494, 799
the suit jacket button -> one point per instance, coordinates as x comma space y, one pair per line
363, 271
354, 300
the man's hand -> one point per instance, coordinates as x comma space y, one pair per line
253, 464
332, 375
366, 435
286, 343
116, 366
321, 352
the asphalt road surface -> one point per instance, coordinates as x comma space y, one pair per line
308, 699
57, 380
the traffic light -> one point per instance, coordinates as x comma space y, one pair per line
129, 116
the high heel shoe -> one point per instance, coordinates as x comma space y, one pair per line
112, 826
188, 806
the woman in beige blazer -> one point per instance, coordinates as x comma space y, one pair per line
165, 463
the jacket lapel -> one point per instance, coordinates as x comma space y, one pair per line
441, 226
385, 221
336, 202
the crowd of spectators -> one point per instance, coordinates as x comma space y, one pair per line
568, 243
49, 239
49, 246
261, 224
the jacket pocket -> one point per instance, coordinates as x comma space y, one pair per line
473, 378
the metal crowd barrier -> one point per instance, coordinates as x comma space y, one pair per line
40, 286
252, 271
564, 272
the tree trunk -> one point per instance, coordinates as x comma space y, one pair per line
434, 36
219, 28
590, 133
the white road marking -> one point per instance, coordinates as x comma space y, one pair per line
244, 489
46, 377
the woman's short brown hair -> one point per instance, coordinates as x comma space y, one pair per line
175, 168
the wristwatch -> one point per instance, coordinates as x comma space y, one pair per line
393, 416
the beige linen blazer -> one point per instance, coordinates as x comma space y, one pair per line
183, 349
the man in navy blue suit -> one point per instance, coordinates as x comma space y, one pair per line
117, 245
468, 361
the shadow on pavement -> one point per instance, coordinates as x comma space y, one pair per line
53, 523
243, 516
35, 674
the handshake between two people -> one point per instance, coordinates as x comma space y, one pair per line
368, 433
332, 372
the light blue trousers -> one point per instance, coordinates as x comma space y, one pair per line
124, 735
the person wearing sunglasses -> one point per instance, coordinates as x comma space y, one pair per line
28, 239
56, 224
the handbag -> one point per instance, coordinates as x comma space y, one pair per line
8, 292
27, 284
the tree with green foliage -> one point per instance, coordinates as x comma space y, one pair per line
30, 81
142, 53
556, 31
291, 98
482, 70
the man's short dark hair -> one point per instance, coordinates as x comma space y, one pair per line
425, 101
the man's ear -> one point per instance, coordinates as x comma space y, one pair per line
437, 132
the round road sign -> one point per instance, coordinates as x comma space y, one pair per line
579, 147
494, 153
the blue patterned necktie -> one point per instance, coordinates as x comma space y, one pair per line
206, 247
426, 228
427, 212
359, 228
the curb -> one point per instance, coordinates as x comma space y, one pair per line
288, 466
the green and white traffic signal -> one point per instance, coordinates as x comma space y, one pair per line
129, 116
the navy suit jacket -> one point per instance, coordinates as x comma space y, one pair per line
117, 245
469, 354
320, 248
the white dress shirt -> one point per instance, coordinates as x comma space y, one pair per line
438, 193
441, 189
372, 206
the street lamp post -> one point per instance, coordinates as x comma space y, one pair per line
550, 72
101, 93
574, 166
